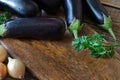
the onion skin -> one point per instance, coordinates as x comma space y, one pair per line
3, 71
16, 68
3, 54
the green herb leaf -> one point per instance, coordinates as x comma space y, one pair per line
80, 43
3, 17
94, 43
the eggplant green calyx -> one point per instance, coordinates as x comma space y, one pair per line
2, 30
108, 26
3, 17
95, 43
75, 27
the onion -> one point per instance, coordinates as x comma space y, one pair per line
3, 71
16, 68
3, 54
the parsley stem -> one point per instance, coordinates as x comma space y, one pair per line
116, 44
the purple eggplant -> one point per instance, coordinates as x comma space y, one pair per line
22, 8
33, 28
74, 19
50, 6
99, 15
73, 14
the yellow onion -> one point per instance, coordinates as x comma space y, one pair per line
16, 68
3, 71
3, 53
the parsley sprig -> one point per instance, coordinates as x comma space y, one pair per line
3, 17
95, 44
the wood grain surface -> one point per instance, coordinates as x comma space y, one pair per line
57, 60
112, 3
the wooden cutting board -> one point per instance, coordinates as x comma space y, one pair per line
57, 60
112, 3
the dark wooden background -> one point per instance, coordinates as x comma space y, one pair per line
57, 60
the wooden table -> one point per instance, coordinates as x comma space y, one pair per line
57, 60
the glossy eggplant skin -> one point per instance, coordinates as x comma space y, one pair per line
95, 11
73, 10
68, 8
1, 8
35, 28
22, 8
77, 9
99, 15
50, 6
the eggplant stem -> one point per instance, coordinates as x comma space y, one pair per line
75, 27
2, 30
75, 33
108, 26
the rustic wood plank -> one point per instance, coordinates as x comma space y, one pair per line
113, 3
57, 60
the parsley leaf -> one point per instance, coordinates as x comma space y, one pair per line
3, 17
80, 43
94, 43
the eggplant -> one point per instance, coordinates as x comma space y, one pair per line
77, 10
99, 15
1, 8
50, 6
73, 14
21, 8
33, 28
73, 10
74, 19
69, 13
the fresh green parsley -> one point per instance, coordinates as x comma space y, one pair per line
95, 44
3, 17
